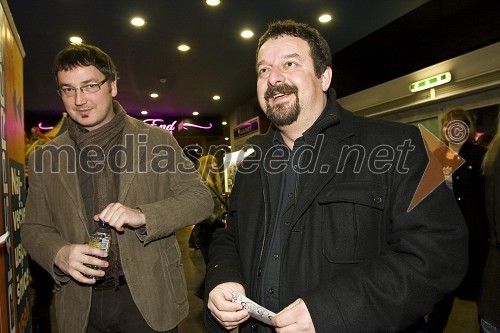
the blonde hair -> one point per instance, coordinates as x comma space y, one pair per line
457, 114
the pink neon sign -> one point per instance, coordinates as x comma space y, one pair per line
44, 128
156, 122
172, 126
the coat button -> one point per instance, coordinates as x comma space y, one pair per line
271, 291
377, 200
255, 326
259, 272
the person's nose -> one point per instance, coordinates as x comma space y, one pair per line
80, 97
276, 76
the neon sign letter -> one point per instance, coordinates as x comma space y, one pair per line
171, 127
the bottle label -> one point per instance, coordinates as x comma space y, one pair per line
102, 244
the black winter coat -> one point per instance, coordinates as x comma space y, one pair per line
468, 188
351, 249
489, 307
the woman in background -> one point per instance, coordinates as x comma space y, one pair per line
467, 184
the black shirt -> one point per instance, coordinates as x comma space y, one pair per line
284, 211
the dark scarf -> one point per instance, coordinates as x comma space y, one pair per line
100, 186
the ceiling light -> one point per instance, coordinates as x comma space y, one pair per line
154, 95
144, 112
75, 40
246, 34
195, 113
183, 47
226, 138
216, 97
325, 18
137, 21
224, 123
213, 2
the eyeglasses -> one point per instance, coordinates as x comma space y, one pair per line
86, 89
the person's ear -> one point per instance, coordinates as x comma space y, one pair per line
326, 78
114, 88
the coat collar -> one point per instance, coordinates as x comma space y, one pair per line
332, 115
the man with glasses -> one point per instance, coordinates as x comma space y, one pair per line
132, 176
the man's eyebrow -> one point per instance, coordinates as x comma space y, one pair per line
285, 57
83, 83
259, 63
292, 55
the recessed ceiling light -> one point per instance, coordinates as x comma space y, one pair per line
183, 47
154, 95
137, 21
195, 113
216, 97
213, 2
325, 18
144, 112
226, 138
246, 34
224, 123
75, 40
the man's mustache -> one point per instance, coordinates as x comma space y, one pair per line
281, 89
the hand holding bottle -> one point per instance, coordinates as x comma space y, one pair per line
100, 238
73, 258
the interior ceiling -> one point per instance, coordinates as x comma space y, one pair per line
219, 62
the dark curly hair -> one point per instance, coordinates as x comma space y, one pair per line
320, 51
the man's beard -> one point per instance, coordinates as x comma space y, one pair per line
280, 114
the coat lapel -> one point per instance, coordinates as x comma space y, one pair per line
133, 138
68, 175
326, 155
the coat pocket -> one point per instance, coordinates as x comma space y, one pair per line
174, 274
351, 220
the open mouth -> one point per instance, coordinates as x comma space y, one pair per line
279, 96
